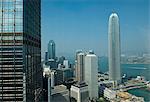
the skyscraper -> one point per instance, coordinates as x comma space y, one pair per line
46, 56
114, 48
20, 50
51, 49
80, 67
91, 74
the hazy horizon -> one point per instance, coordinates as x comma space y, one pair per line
83, 24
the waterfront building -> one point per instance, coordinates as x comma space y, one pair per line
20, 51
109, 94
91, 74
114, 48
51, 50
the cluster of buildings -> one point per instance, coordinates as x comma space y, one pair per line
23, 79
114, 96
85, 71
61, 67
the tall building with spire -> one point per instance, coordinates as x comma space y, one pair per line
20, 50
114, 48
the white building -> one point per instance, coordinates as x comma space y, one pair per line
80, 92
45, 69
114, 48
47, 73
109, 94
148, 85
66, 63
52, 79
91, 74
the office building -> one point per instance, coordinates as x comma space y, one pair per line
91, 74
52, 79
20, 50
61, 59
58, 77
63, 75
75, 66
51, 50
109, 94
77, 52
66, 64
80, 67
114, 48
79, 92
46, 56
48, 83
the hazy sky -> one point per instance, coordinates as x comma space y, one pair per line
83, 24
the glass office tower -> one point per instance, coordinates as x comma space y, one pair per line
20, 50
51, 50
114, 48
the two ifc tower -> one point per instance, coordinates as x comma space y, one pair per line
114, 49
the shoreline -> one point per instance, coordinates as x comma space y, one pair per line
142, 91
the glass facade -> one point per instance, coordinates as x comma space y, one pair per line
20, 49
114, 48
51, 49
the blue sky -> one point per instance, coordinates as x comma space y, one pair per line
83, 24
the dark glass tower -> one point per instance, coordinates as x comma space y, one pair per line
20, 50
51, 49
46, 56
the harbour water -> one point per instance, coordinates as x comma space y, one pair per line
141, 93
132, 70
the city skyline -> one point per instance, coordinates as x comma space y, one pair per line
82, 42
83, 24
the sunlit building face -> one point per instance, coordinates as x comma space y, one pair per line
114, 47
